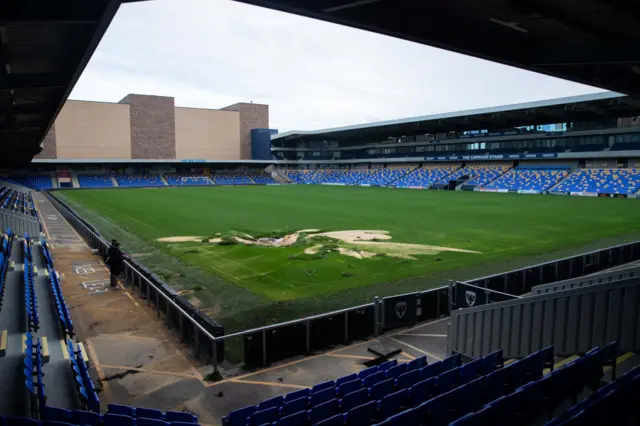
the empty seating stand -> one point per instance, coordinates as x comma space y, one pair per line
299, 175
424, 177
95, 181
17, 201
236, 178
37, 182
483, 391
601, 181
261, 178
140, 180
187, 180
533, 180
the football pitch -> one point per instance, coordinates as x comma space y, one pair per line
421, 239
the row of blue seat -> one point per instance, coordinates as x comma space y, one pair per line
30, 298
416, 379
5, 253
17, 201
84, 385
33, 367
107, 420
613, 403
61, 306
119, 415
543, 395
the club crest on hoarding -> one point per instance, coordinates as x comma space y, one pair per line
470, 297
401, 309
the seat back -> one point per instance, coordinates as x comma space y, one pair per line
324, 411
354, 399
392, 404
382, 389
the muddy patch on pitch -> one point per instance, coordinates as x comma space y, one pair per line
359, 244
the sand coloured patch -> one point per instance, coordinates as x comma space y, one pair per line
179, 239
368, 239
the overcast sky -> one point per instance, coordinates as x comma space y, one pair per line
213, 53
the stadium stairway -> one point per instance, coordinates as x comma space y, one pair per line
559, 183
164, 180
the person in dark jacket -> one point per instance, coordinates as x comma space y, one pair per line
114, 261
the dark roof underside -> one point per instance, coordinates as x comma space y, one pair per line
595, 42
605, 106
44, 47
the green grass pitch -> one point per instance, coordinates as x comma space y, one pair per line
229, 280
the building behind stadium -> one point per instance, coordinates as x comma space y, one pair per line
144, 127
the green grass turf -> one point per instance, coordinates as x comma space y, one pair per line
236, 278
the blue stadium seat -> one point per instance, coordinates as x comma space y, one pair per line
368, 372
472, 392
86, 418
422, 391
239, 417
322, 396
142, 421
362, 414
323, 386
410, 417
471, 370
408, 379
431, 370
125, 410
111, 419
273, 402
393, 403
382, 389
374, 378
324, 411
345, 379
495, 385
354, 399
261, 417
56, 414
149, 413
417, 363
439, 408
448, 380
298, 419
294, 406
451, 362
349, 387
395, 371
388, 364
297, 394
337, 420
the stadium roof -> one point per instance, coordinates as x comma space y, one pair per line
44, 47
594, 106
595, 42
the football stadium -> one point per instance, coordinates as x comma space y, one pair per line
478, 267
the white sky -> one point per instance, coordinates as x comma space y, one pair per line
213, 53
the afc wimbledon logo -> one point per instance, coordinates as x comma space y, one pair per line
470, 297
401, 309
